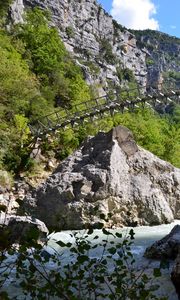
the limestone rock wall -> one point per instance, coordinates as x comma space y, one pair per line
163, 56
90, 33
101, 46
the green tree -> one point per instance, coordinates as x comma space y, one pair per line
36, 75
4, 5
50, 61
18, 86
42, 42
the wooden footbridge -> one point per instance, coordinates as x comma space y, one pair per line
102, 106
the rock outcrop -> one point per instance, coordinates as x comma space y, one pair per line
19, 229
108, 174
17, 11
162, 57
168, 247
14, 228
12, 194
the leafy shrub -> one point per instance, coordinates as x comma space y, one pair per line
4, 5
175, 75
70, 32
107, 51
128, 75
125, 74
150, 62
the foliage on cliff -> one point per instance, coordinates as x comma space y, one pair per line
4, 5
36, 75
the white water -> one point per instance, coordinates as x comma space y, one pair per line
144, 236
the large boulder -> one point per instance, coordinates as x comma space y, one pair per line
21, 229
168, 247
108, 174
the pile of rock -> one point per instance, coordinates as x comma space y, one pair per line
12, 196
19, 229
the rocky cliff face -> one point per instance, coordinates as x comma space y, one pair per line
103, 48
97, 42
163, 57
108, 174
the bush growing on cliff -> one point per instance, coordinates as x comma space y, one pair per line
70, 32
106, 51
125, 74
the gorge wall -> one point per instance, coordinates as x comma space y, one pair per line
105, 50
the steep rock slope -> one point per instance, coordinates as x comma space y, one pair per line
163, 59
108, 174
104, 49
101, 46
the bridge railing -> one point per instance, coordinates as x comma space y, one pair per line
112, 102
